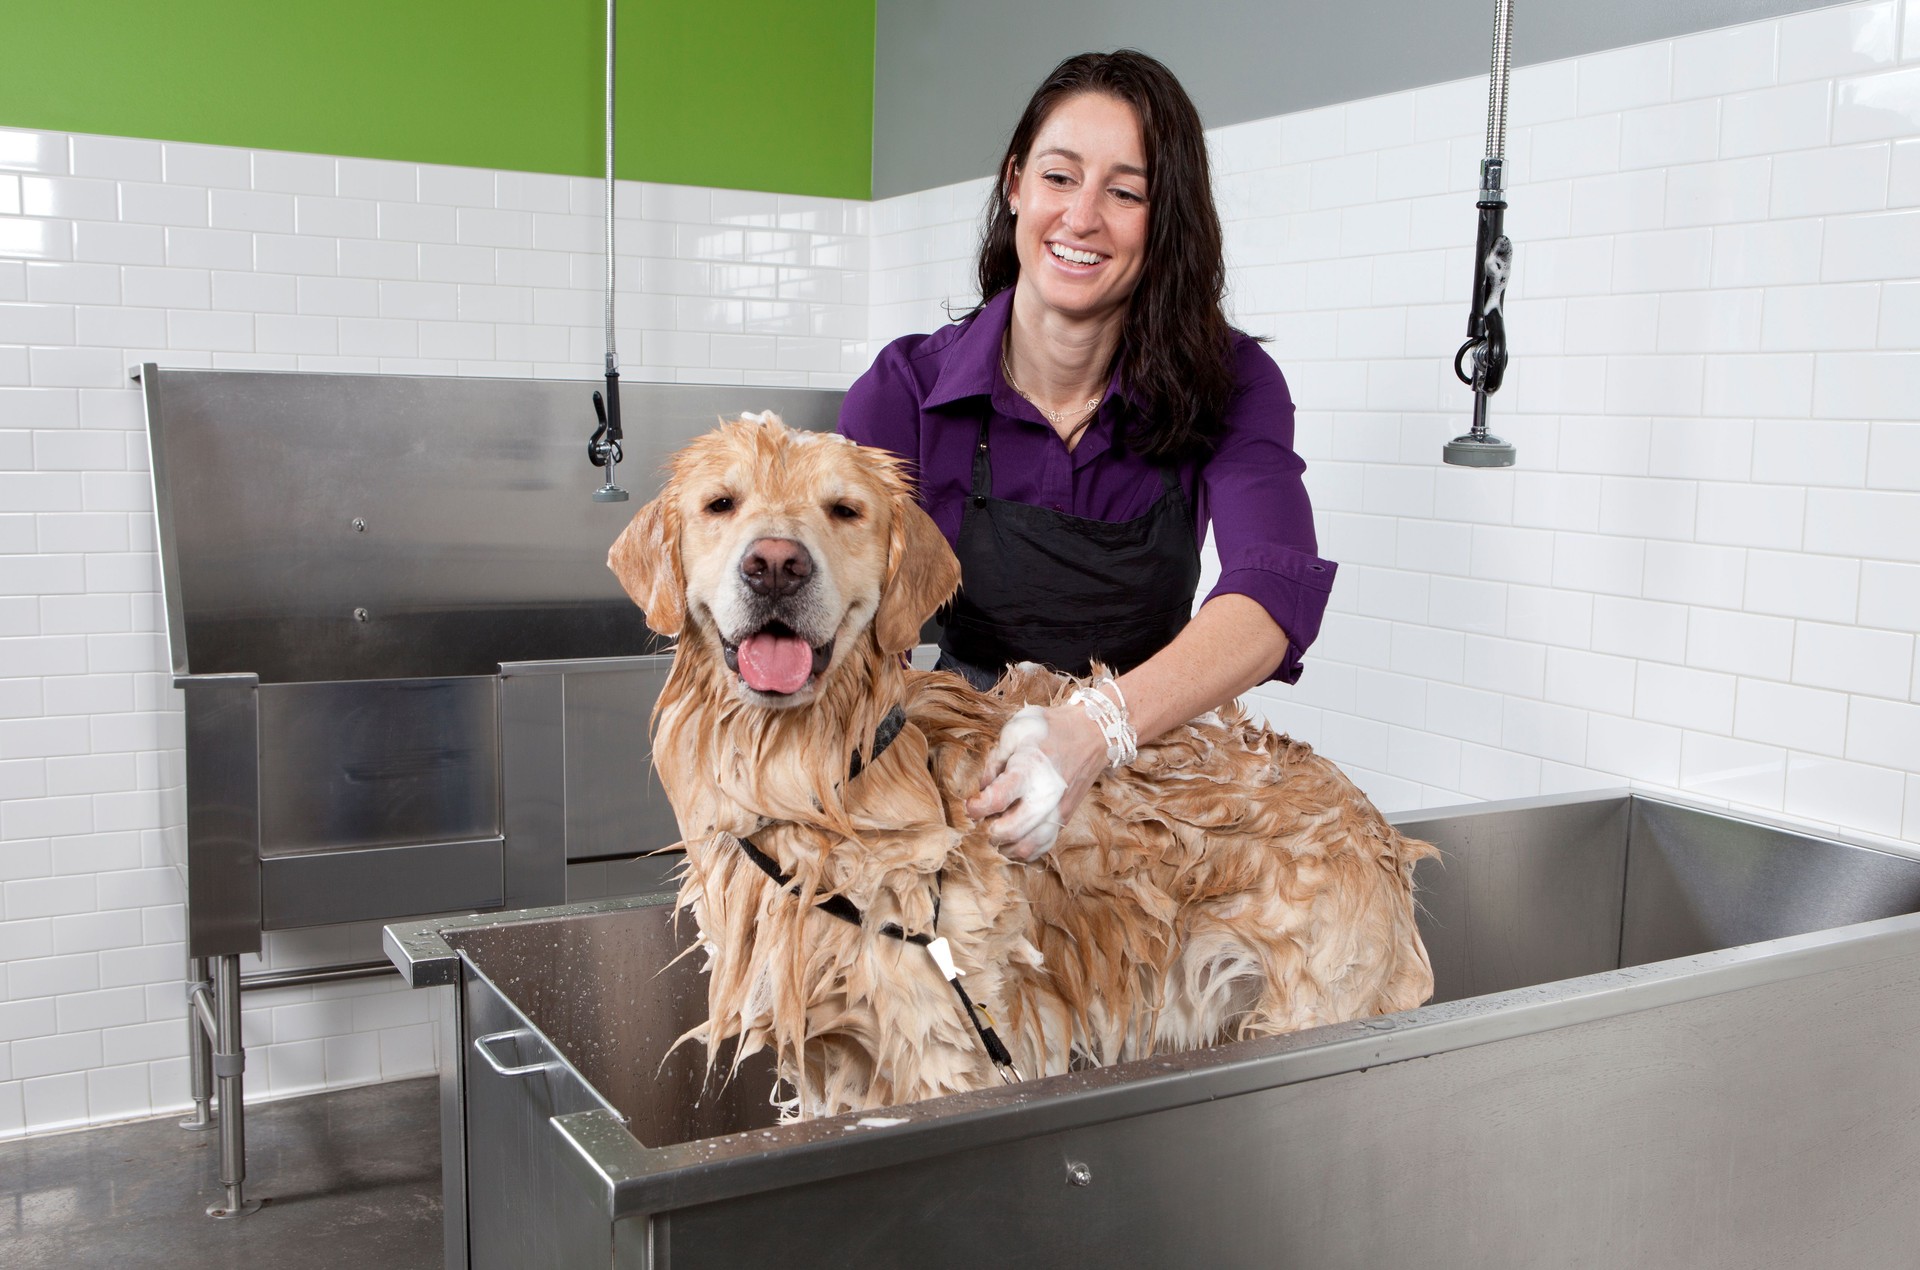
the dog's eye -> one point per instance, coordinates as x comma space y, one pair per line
845, 511
720, 506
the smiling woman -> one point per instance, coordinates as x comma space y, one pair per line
1078, 163
1084, 239
1078, 433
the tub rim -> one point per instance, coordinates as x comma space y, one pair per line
635, 1180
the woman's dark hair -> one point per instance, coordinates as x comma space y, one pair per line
1176, 347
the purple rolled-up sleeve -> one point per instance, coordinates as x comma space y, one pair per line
1254, 494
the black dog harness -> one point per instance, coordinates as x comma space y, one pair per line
847, 911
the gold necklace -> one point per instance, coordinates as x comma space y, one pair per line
1057, 418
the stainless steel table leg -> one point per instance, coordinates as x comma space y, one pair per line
199, 1052
229, 1062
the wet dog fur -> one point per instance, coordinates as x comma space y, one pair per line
1228, 884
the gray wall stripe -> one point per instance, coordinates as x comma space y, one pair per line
951, 75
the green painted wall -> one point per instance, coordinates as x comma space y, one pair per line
743, 94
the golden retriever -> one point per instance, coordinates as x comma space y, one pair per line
1229, 883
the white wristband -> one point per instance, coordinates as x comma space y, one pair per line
1111, 718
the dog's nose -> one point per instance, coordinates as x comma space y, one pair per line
776, 567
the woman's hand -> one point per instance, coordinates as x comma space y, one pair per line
1036, 777
1046, 760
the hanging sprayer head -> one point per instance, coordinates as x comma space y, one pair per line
1487, 344
604, 449
1481, 362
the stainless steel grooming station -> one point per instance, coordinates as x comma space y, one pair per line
411, 684
1661, 1036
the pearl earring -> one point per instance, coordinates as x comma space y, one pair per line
1012, 210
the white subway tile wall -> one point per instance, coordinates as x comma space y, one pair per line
1704, 575
115, 251
1701, 577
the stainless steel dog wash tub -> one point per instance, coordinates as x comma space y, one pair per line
1662, 1036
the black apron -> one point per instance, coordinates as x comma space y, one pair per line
1040, 585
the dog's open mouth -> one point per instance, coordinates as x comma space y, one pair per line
775, 660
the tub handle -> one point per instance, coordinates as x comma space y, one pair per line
482, 1043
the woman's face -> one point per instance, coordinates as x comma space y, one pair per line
1080, 227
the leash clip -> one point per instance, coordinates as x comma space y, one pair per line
942, 953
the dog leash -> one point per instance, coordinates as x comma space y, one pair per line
883, 735
937, 947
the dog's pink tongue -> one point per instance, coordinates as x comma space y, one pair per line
775, 663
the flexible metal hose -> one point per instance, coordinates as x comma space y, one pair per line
613, 361
603, 449
1497, 95
1493, 256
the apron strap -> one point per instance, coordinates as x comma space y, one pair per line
982, 467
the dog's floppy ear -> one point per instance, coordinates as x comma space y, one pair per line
921, 574
646, 559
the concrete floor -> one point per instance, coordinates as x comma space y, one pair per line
348, 1178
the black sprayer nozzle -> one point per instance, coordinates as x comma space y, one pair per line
1481, 362
604, 449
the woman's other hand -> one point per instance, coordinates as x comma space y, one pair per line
1047, 760
1036, 777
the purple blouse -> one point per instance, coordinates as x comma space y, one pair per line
923, 398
